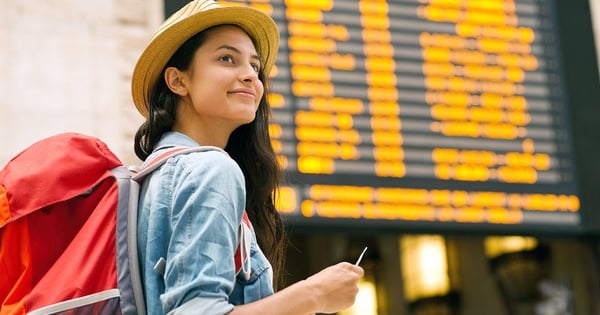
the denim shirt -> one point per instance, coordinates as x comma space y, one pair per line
189, 215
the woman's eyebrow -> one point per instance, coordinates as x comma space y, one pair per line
234, 49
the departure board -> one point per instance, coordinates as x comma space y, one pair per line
438, 113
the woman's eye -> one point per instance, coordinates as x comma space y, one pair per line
226, 59
229, 59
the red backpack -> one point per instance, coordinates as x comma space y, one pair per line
68, 213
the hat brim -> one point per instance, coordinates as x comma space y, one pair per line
259, 26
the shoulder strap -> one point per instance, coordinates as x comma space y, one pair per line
156, 162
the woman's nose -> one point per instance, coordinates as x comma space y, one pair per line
248, 73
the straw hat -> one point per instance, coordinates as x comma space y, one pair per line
193, 18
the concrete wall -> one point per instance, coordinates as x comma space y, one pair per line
65, 65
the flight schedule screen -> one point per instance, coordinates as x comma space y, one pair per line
443, 112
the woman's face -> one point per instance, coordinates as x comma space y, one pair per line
221, 89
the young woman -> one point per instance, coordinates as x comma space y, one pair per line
201, 82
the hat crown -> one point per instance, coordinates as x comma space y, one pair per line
186, 11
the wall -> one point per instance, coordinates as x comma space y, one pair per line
65, 66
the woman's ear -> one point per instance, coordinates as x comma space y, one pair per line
175, 81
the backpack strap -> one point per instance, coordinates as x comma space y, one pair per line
140, 172
242, 253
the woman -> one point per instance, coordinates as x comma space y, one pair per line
200, 81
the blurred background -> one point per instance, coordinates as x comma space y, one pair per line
455, 138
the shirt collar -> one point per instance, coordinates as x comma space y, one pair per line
175, 139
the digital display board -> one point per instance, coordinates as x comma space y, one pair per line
422, 113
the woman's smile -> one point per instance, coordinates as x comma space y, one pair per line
244, 92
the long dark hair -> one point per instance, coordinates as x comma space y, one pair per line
249, 145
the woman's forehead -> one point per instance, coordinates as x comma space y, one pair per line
228, 34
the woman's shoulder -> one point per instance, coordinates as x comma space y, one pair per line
208, 162
197, 156
209, 157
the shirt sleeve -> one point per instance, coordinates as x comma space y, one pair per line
207, 202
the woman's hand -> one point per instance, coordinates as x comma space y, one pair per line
332, 289
336, 286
